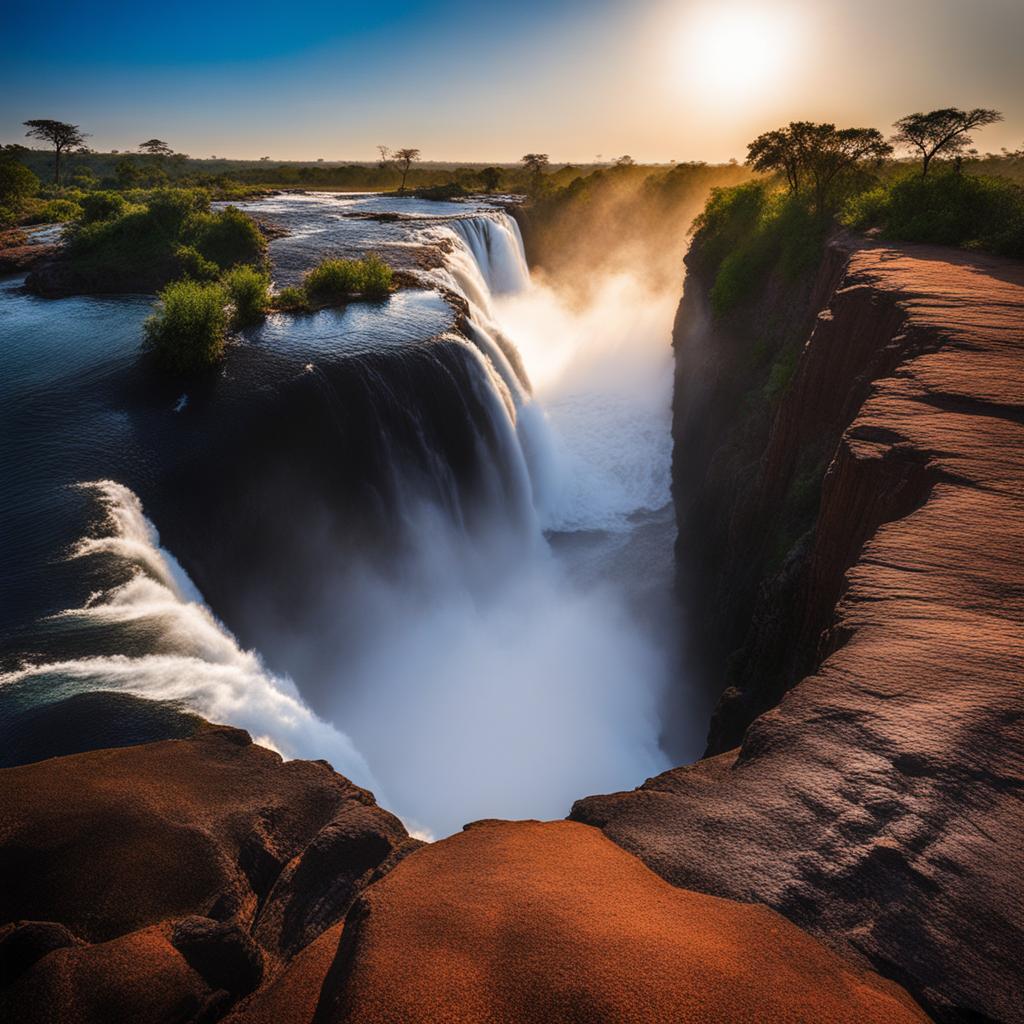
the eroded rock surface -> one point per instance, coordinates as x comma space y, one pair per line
879, 804
169, 880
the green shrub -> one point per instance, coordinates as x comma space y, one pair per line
102, 206
377, 277
17, 186
945, 208
54, 211
227, 237
193, 264
247, 288
291, 300
186, 332
336, 280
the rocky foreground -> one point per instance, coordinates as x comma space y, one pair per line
879, 804
870, 807
203, 879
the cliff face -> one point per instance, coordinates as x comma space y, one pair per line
871, 640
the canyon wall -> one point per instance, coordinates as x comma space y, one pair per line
850, 546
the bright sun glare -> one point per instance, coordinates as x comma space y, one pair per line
736, 53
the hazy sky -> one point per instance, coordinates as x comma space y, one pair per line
658, 79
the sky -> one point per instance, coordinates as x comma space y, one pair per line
579, 79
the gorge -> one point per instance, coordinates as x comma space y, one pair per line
430, 542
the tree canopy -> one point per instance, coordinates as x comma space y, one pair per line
404, 159
816, 157
61, 135
941, 132
156, 147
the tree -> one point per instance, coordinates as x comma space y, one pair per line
60, 135
941, 132
404, 159
156, 147
535, 164
17, 184
490, 178
816, 157
624, 161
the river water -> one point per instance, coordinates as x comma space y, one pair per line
429, 542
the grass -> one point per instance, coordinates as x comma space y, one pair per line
187, 332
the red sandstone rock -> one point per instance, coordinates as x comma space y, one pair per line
880, 804
528, 921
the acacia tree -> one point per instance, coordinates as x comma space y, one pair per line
535, 164
156, 147
815, 157
404, 159
941, 132
60, 135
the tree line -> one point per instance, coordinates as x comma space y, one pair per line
815, 158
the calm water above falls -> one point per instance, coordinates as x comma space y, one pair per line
442, 562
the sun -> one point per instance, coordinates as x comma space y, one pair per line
735, 53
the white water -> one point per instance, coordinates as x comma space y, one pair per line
201, 665
484, 677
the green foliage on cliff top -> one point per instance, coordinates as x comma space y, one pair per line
746, 230
187, 331
947, 208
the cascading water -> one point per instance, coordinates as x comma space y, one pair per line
491, 648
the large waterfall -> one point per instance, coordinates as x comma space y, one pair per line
451, 583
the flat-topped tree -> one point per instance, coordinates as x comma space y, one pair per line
535, 165
156, 147
61, 135
404, 159
941, 132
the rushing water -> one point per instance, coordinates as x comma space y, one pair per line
439, 558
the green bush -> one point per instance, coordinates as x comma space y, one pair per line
54, 211
945, 208
745, 231
193, 264
227, 237
186, 332
248, 289
336, 280
102, 206
291, 300
17, 186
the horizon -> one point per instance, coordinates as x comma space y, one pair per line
335, 81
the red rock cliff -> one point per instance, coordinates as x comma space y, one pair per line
878, 799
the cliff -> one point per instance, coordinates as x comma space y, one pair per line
860, 541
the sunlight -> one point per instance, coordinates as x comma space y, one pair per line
735, 54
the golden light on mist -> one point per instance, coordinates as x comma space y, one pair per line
729, 55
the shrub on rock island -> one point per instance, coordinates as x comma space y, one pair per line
336, 280
291, 300
187, 331
248, 289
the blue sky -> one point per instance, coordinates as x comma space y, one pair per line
478, 81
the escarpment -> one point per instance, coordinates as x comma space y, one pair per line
860, 543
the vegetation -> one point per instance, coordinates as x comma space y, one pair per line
942, 133
404, 159
248, 291
186, 333
17, 186
161, 234
62, 136
818, 160
291, 300
947, 208
336, 280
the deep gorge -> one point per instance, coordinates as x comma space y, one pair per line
844, 572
